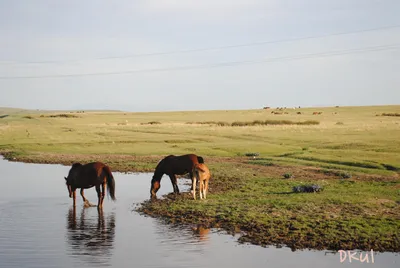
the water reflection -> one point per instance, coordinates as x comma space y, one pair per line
201, 232
182, 234
91, 235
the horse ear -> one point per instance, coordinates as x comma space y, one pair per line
65, 178
76, 165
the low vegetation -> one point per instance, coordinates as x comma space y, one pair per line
151, 123
389, 114
256, 123
60, 115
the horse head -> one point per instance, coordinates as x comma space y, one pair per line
68, 183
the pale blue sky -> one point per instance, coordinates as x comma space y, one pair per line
71, 36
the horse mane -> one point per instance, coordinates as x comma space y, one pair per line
159, 167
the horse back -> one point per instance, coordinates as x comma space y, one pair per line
178, 165
88, 175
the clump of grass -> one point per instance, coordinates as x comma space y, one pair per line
345, 175
60, 115
389, 114
288, 175
151, 123
28, 117
339, 123
307, 188
252, 154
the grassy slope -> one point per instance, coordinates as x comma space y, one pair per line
360, 212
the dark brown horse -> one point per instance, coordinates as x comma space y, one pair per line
174, 165
94, 174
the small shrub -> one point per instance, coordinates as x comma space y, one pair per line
307, 188
251, 154
28, 117
339, 123
287, 175
390, 114
63, 115
151, 123
239, 124
222, 124
345, 175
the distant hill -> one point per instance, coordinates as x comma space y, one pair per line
9, 110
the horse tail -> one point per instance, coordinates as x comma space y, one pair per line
110, 182
200, 159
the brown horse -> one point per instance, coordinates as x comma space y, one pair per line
202, 175
174, 165
94, 174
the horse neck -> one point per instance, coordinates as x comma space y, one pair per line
73, 176
158, 173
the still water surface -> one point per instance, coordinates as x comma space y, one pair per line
39, 228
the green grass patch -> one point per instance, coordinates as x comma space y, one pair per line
345, 215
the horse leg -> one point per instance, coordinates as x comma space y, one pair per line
103, 194
74, 197
174, 183
86, 202
194, 188
206, 189
201, 190
98, 190
191, 177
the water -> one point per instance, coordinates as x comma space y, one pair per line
39, 228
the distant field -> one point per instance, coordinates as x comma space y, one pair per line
351, 138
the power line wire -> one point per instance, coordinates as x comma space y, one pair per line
215, 65
205, 49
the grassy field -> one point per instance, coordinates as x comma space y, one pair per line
352, 152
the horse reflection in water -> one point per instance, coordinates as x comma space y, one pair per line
91, 236
201, 232
194, 236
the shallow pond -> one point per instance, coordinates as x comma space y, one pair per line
39, 228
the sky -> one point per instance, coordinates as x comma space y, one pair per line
164, 55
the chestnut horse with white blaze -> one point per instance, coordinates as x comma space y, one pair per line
95, 174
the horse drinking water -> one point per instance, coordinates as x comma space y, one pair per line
90, 175
174, 165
